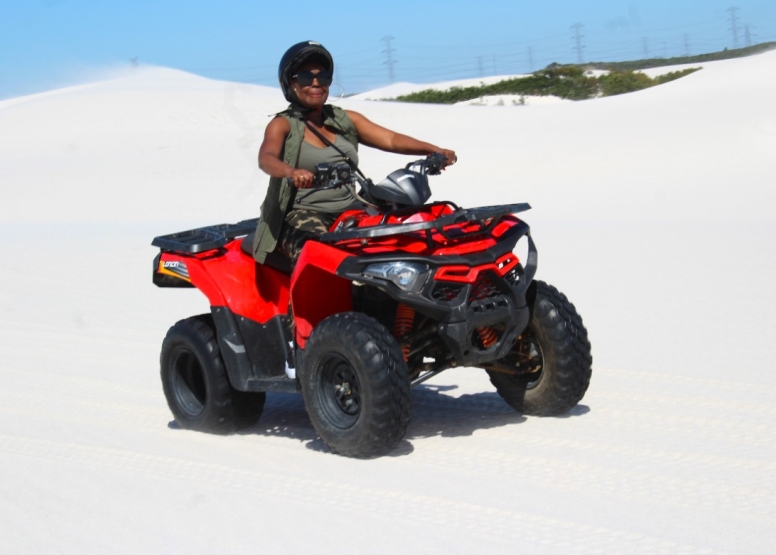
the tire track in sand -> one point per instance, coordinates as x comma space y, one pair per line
398, 505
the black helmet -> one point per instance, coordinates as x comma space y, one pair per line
296, 56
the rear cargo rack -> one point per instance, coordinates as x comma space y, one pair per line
204, 239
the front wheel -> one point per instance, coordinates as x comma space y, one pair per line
548, 369
356, 385
195, 383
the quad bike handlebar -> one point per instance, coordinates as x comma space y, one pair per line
430, 165
331, 176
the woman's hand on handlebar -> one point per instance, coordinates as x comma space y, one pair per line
302, 179
439, 160
449, 155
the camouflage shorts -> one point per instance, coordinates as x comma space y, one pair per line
299, 227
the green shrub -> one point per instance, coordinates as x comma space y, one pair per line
569, 82
563, 81
621, 82
666, 77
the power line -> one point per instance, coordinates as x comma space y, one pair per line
339, 55
734, 25
748, 35
578, 40
459, 46
366, 67
389, 56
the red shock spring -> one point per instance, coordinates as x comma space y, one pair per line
487, 334
405, 319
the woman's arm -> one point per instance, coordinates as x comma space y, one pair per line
376, 136
269, 154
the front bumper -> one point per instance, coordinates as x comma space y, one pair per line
489, 296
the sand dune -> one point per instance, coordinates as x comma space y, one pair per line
653, 211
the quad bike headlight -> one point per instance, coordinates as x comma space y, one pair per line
407, 276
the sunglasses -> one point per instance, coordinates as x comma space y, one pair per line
305, 78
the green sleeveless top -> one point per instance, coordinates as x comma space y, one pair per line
280, 194
330, 201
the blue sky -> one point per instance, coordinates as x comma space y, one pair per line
49, 43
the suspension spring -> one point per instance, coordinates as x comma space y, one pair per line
405, 320
487, 334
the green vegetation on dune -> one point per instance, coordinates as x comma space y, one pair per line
569, 82
726, 54
621, 82
563, 81
573, 83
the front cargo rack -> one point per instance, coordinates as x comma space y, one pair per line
490, 214
204, 239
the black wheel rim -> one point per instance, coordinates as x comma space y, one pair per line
188, 383
339, 391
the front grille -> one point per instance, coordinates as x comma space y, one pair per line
448, 292
486, 295
484, 288
515, 276
488, 292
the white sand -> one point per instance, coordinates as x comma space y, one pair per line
513, 100
653, 211
403, 88
399, 89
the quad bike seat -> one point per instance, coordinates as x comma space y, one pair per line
275, 259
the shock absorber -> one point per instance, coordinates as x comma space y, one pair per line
405, 319
487, 334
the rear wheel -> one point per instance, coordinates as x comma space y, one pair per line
548, 370
355, 385
196, 385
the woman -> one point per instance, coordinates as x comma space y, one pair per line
308, 133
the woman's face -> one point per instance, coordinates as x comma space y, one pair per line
314, 95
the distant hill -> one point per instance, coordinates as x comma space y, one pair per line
700, 58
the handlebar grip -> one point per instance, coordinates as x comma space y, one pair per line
435, 162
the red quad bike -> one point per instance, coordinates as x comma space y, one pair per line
393, 295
